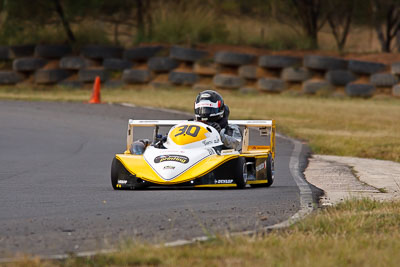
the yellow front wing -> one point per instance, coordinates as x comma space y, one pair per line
136, 165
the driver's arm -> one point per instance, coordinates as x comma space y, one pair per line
231, 138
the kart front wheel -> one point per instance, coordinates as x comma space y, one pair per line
241, 173
115, 170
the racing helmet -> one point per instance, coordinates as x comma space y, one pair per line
209, 106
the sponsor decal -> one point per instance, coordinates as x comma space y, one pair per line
169, 167
177, 158
207, 104
211, 151
227, 181
206, 143
122, 181
205, 95
261, 166
227, 151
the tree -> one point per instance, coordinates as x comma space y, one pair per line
386, 21
339, 16
311, 15
60, 11
31, 16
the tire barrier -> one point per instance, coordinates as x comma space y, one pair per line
249, 72
315, 86
383, 79
132, 76
52, 51
295, 75
10, 77
365, 67
396, 90
116, 64
4, 53
50, 76
182, 78
162, 64
18, 51
89, 75
324, 63
340, 77
360, 90
228, 81
101, 51
73, 63
233, 59
58, 64
141, 53
278, 62
187, 54
271, 85
395, 68
28, 64
209, 69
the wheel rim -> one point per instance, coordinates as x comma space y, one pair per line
245, 173
272, 170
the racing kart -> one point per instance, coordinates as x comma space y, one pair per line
192, 154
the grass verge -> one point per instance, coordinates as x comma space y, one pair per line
354, 233
344, 127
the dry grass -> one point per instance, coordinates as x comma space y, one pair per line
345, 127
355, 233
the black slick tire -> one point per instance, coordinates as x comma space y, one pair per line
115, 170
118, 172
270, 171
240, 173
270, 174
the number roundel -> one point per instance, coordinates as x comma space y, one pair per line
187, 134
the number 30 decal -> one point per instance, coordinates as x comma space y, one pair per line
192, 130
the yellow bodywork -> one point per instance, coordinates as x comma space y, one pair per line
137, 165
187, 134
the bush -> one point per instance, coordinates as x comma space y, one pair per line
185, 24
19, 34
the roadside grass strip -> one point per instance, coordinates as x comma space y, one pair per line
359, 232
367, 128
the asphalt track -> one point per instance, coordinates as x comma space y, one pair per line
56, 196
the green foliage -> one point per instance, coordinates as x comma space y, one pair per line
180, 23
91, 33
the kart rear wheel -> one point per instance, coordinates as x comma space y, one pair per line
240, 173
270, 171
270, 174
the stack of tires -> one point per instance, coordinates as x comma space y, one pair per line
183, 66
233, 69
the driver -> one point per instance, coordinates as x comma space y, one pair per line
210, 108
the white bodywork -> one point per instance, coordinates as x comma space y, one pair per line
176, 158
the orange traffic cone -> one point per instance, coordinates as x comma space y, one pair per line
95, 99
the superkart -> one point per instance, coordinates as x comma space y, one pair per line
192, 154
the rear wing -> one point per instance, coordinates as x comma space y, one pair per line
266, 127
